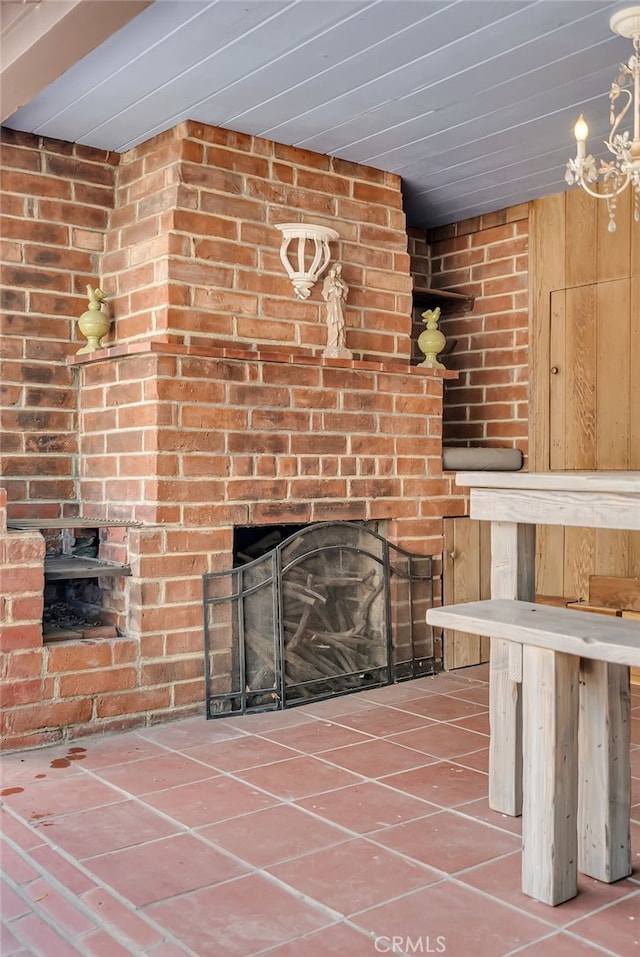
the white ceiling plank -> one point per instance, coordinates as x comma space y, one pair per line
179, 97
457, 130
397, 68
393, 37
204, 34
505, 163
471, 101
509, 80
121, 48
490, 147
471, 176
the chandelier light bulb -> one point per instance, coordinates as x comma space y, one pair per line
614, 175
581, 130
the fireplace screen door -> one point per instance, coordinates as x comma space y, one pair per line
332, 609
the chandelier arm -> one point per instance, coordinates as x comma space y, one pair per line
597, 195
618, 119
636, 89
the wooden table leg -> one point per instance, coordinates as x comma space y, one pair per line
505, 739
604, 791
513, 549
550, 705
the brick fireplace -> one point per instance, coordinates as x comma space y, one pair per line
210, 407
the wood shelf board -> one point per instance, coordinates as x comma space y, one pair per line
64, 567
441, 293
425, 295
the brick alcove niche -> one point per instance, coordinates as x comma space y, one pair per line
211, 407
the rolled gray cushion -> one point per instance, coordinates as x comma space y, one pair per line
481, 460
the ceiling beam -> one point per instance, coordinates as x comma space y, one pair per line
41, 39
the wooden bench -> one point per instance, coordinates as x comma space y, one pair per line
576, 737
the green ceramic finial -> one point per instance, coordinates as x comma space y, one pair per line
431, 342
93, 323
96, 297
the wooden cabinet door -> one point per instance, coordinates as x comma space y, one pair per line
593, 424
466, 576
590, 377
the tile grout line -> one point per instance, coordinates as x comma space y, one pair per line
253, 869
79, 904
574, 937
350, 835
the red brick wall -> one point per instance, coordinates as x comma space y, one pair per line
56, 199
21, 574
193, 256
420, 257
488, 259
172, 434
226, 440
180, 234
213, 406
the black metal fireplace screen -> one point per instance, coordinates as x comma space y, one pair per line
332, 609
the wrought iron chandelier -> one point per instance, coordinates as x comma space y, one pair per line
624, 169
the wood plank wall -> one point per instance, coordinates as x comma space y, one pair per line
466, 577
585, 371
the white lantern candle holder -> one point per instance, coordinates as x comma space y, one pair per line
305, 262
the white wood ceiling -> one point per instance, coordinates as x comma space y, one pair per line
472, 102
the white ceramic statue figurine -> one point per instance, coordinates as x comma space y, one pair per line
334, 292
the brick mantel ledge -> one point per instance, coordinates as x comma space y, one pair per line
266, 354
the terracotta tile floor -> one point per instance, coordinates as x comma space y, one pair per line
355, 826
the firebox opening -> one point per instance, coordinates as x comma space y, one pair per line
73, 609
73, 596
253, 541
314, 611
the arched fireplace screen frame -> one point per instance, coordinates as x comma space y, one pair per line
332, 609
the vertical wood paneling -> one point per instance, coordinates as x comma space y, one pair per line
613, 387
466, 584
579, 560
612, 552
613, 249
634, 432
580, 250
546, 272
465, 578
580, 394
586, 321
634, 396
557, 380
612, 373
550, 561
